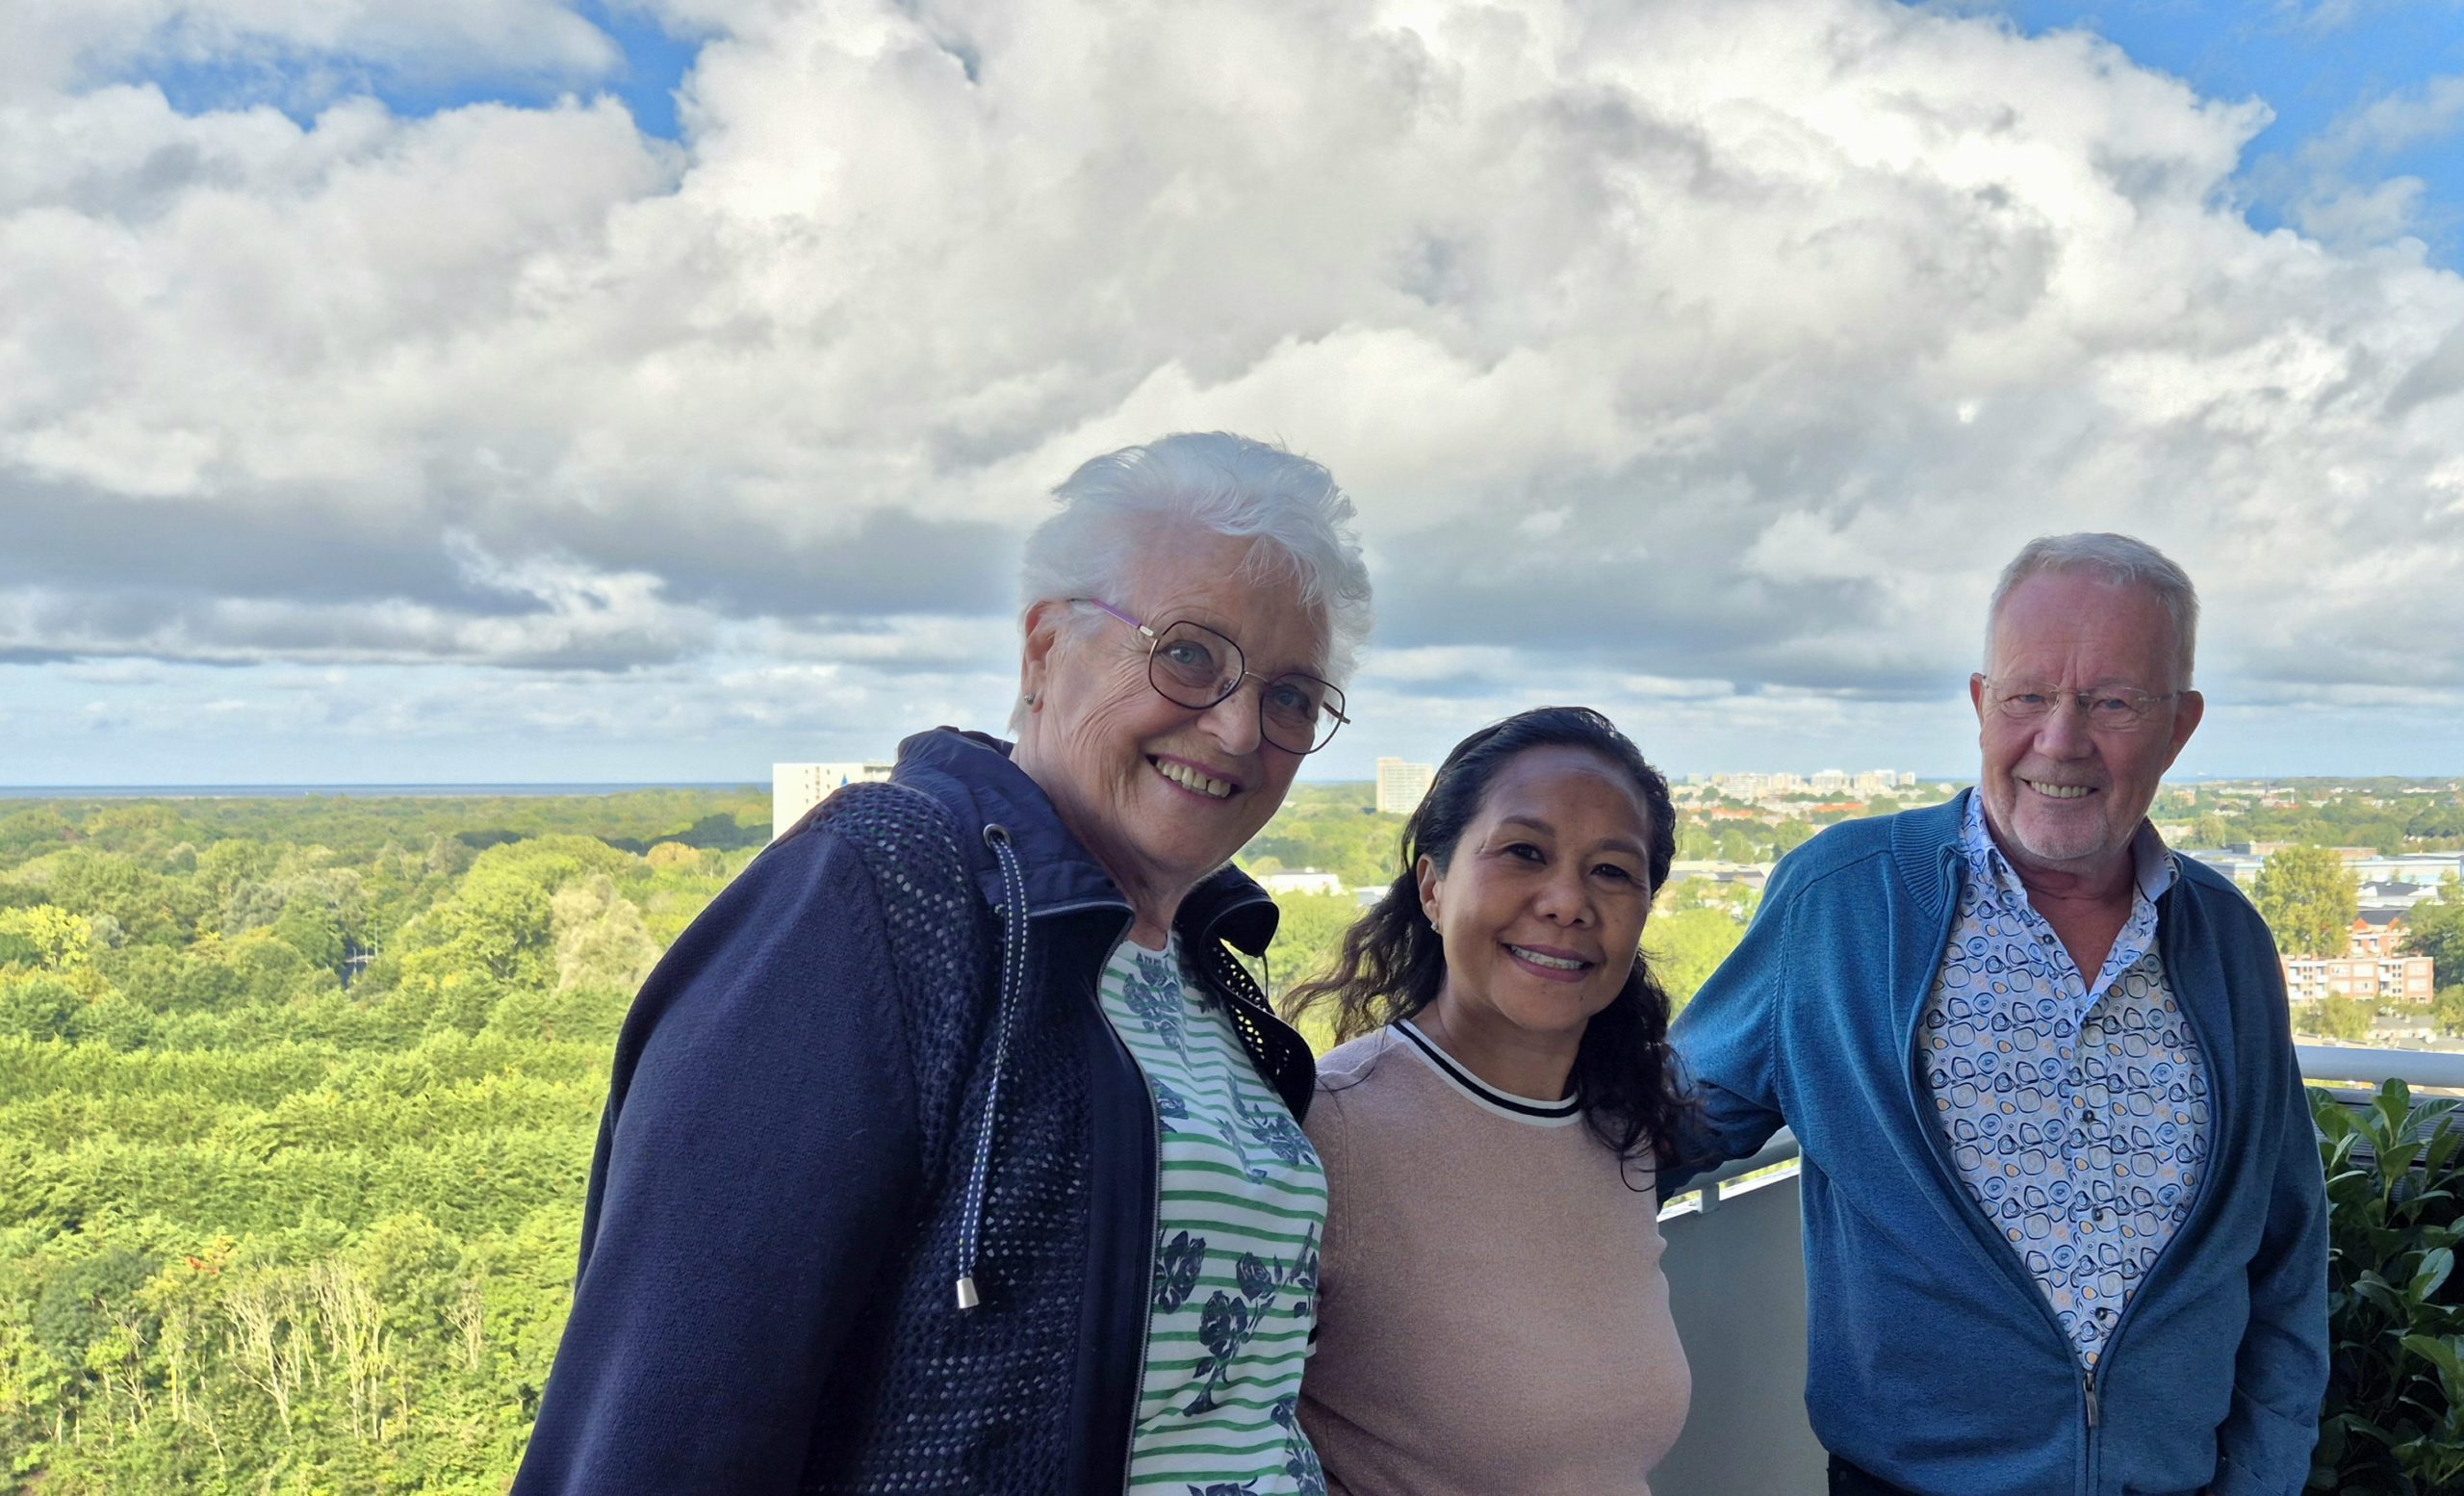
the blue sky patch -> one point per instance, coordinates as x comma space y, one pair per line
2319, 65
652, 64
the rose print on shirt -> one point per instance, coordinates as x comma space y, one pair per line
1299, 1459
1178, 1264
1265, 1132
1234, 1250
1230, 1320
1153, 992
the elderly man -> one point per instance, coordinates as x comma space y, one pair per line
2065, 1223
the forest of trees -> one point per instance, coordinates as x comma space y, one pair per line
264, 1233
2390, 816
297, 1100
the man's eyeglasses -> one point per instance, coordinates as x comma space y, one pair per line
2109, 709
1192, 666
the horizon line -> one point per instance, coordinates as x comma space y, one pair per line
585, 785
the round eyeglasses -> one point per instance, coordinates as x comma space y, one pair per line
1192, 666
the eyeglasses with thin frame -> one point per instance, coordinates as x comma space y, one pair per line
2108, 708
1192, 666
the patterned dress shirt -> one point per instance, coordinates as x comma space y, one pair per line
2077, 1115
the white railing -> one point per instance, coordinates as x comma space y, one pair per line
2329, 1064
1705, 1190
1737, 1287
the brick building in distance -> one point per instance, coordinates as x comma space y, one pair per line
2372, 969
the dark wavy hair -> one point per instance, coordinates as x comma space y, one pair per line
1391, 963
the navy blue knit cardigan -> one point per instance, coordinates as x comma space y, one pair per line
874, 1068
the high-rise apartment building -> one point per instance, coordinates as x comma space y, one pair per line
797, 787
1400, 785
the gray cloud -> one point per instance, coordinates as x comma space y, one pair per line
888, 561
77, 537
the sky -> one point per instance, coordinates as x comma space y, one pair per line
653, 390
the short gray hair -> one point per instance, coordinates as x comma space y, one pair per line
1112, 507
2119, 559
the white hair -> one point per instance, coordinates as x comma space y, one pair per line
1113, 507
2118, 560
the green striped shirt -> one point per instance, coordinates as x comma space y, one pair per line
1241, 1204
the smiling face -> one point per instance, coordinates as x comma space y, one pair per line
2062, 798
1541, 905
1162, 795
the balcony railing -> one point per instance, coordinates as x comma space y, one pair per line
1737, 1287
2340, 1065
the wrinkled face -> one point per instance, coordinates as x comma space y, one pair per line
1543, 903
2062, 796
1161, 795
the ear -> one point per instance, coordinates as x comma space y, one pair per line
1431, 883
1044, 633
2189, 709
1976, 695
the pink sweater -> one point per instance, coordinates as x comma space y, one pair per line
1492, 1319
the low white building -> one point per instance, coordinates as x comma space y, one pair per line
2424, 869
2393, 896
1307, 879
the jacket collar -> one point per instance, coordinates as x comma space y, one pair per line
972, 776
1925, 848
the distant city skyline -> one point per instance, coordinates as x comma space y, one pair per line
440, 789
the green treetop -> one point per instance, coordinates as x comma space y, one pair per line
2435, 928
2309, 899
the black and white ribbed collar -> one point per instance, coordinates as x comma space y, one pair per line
1479, 1093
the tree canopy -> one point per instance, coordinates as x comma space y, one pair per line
2309, 899
296, 1103
2435, 928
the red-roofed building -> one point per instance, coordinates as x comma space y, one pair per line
2372, 966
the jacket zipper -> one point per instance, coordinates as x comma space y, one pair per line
1155, 1175
1154, 1214
2206, 1186
2198, 1196
1959, 1189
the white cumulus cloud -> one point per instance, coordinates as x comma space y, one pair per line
1709, 354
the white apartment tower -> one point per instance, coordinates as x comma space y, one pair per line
797, 787
1400, 785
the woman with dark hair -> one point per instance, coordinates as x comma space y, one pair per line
1491, 1313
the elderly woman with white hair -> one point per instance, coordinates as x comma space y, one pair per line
952, 1148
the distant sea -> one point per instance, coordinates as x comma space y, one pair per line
337, 791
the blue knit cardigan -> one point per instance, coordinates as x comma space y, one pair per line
1934, 1358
